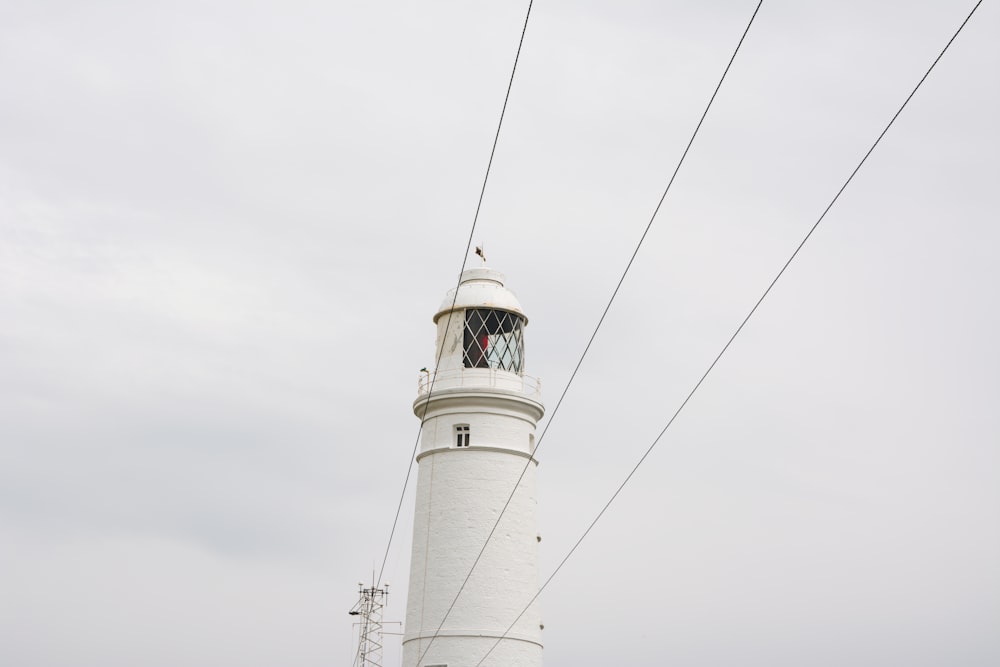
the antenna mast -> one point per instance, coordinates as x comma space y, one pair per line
369, 607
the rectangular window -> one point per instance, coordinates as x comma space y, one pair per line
462, 435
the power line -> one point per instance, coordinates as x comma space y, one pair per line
604, 314
735, 334
465, 257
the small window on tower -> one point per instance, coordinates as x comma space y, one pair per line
462, 435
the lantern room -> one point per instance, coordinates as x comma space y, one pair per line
480, 329
493, 339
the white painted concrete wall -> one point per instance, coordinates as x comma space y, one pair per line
459, 495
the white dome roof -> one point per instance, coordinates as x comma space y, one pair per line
481, 287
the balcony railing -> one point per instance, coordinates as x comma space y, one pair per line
478, 377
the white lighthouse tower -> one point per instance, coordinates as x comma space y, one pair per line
478, 436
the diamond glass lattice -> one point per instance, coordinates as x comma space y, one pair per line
493, 339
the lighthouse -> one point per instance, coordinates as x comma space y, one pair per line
479, 412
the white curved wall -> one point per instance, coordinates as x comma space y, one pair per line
460, 492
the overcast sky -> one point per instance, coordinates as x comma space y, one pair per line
224, 230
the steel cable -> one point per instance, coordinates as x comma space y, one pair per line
736, 333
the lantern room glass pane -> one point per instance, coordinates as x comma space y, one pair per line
494, 339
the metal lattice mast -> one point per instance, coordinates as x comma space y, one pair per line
371, 602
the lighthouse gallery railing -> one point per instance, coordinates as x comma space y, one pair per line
478, 377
